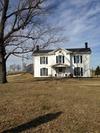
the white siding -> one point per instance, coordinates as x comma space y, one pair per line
86, 65
36, 60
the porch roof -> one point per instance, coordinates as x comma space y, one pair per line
60, 65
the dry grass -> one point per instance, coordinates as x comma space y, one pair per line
55, 106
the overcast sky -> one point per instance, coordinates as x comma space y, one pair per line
81, 22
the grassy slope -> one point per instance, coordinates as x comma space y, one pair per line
24, 99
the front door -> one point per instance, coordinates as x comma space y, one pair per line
60, 72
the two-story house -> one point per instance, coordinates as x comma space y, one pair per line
62, 62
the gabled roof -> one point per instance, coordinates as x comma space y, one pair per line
73, 50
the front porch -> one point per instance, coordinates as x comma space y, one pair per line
62, 70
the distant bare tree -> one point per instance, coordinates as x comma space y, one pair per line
12, 68
18, 67
22, 27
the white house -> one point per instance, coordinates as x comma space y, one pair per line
62, 62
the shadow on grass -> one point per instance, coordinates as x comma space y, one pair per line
34, 123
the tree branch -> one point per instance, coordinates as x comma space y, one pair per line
26, 8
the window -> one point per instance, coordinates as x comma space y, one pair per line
78, 71
43, 60
77, 59
60, 69
44, 72
60, 59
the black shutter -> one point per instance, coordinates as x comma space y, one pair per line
75, 71
74, 59
46, 60
81, 71
80, 59
41, 72
63, 59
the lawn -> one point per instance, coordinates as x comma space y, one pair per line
30, 105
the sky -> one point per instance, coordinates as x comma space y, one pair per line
80, 20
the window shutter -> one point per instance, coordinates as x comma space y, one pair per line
74, 59
41, 72
75, 71
81, 71
80, 59
46, 60
63, 59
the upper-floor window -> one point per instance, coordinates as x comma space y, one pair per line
43, 60
60, 59
44, 72
78, 59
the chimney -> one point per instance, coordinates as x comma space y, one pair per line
86, 44
37, 48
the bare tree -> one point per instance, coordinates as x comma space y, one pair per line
22, 27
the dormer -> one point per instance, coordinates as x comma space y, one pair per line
60, 51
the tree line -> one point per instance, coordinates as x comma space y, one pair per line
97, 71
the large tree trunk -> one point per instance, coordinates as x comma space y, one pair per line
3, 78
2, 47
